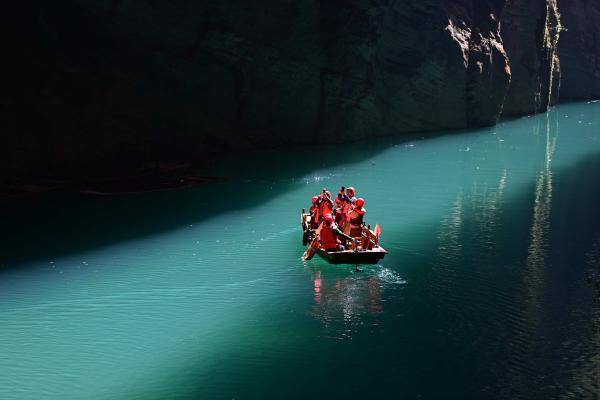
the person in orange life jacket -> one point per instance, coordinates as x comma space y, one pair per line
326, 205
342, 201
328, 237
354, 219
351, 193
314, 213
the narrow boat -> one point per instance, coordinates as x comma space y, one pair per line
366, 250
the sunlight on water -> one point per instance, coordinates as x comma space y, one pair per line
488, 289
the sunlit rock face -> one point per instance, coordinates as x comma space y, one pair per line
531, 31
579, 49
99, 86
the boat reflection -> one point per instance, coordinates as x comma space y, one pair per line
345, 300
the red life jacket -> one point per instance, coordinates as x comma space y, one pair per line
314, 213
356, 216
324, 208
328, 239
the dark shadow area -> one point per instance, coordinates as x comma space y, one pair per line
45, 227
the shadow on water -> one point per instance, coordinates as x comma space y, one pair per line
488, 308
59, 224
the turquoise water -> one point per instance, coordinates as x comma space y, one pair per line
487, 291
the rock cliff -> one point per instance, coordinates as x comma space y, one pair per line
579, 49
531, 31
98, 86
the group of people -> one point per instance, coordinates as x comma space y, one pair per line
340, 219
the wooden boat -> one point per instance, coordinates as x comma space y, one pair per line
366, 250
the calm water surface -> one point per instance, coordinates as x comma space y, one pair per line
488, 290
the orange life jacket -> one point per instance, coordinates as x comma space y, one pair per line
324, 208
356, 216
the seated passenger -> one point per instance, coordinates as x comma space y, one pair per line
355, 218
326, 205
342, 203
328, 237
351, 195
314, 213
341, 197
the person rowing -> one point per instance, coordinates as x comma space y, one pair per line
355, 218
329, 234
314, 213
326, 205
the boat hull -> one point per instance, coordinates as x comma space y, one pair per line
353, 257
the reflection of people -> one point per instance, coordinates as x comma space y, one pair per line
317, 287
340, 302
328, 237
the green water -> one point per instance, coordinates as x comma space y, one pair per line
493, 238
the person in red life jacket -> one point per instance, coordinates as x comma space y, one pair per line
326, 205
315, 218
328, 237
342, 201
355, 218
351, 192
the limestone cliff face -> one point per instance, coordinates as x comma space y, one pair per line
384, 73
99, 85
579, 49
531, 30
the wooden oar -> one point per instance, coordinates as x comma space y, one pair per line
314, 245
377, 232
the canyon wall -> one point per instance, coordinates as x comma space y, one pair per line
101, 86
531, 31
579, 49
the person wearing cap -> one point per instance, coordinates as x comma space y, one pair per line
351, 192
342, 203
355, 218
325, 203
341, 197
329, 234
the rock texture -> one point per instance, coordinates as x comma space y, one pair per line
100, 85
579, 49
531, 31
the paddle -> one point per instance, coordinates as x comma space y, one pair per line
314, 245
377, 232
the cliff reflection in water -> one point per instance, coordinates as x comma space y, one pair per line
536, 255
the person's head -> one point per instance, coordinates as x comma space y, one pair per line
324, 190
314, 199
343, 189
351, 192
328, 219
360, 202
